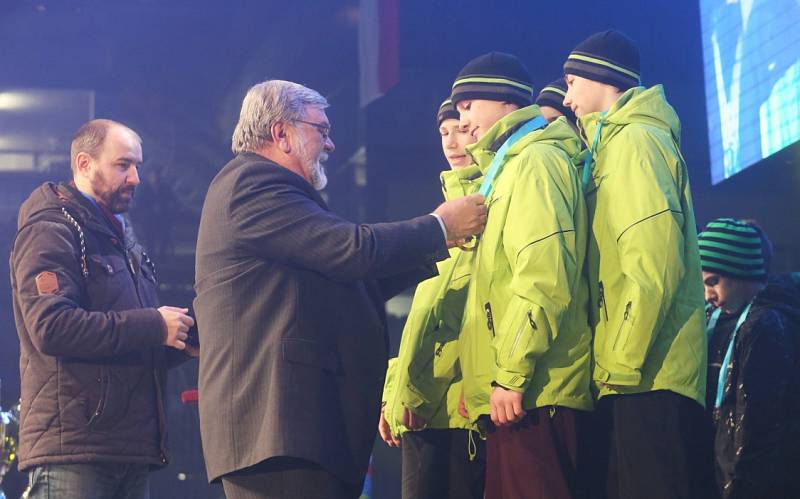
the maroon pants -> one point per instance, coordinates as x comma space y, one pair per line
535, 458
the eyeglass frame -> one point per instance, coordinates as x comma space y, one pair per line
323, 129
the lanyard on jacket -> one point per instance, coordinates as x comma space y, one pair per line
588, 163
723, 370
497, 163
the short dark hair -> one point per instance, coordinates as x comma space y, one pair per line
90, 138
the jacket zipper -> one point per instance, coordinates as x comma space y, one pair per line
602, 301
134, 276
489, 320
162, 420
102, 380
519, 333
622, 324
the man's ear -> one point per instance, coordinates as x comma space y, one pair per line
82, 163
280, 136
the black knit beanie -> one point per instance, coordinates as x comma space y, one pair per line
494, 76
447, 111
552, 95
608, 57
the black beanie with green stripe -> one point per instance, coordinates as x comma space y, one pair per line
735, 248
447, 111
609, 57
552, 95
495, 76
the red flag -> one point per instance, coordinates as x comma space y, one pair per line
378, 41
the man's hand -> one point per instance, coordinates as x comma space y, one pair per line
386, 432
413, 421
506, 406
178, 324
462, 406
463, 217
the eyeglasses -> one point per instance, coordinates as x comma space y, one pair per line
322, 128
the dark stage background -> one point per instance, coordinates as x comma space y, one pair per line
176, 71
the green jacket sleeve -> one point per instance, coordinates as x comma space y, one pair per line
389, 396
540, 245
434, 357
388, 384
647, 223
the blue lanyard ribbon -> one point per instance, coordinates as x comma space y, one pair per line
588, 163
723, 370
497, 163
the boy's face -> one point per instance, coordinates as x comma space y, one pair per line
550, 113
585, 96
728, 293
454, 140
479, 115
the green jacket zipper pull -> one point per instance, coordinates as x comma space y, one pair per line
489, 321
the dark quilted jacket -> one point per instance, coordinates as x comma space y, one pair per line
92, 363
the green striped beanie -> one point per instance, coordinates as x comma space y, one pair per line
734, 248
609, 57
447, 111
495, 76
553, 95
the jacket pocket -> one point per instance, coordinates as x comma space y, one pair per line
601, 302
106, 265
310, 353
109, 286
148, 271
621, 339
487, 308
98, 407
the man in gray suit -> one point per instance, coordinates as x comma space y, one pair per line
293, 343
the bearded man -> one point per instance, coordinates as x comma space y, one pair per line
93, 346
290, 306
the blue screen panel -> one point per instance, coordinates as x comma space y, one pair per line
751, 54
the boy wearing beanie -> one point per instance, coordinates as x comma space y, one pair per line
753, 333
524, 341
644, 273
551, 102
444, 457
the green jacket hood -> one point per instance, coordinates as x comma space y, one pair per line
557, 133
647, 106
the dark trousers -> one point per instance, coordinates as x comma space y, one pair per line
535, 458
653, 445
437, 464
287, 477
89, 481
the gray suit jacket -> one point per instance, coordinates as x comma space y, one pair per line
291, 322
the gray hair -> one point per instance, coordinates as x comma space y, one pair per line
267, 103
90, 138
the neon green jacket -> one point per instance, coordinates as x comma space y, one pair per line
525, 322
643, 260
435, 316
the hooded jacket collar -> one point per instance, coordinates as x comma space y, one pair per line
558, 134
50, 198
647, 106
781, 293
